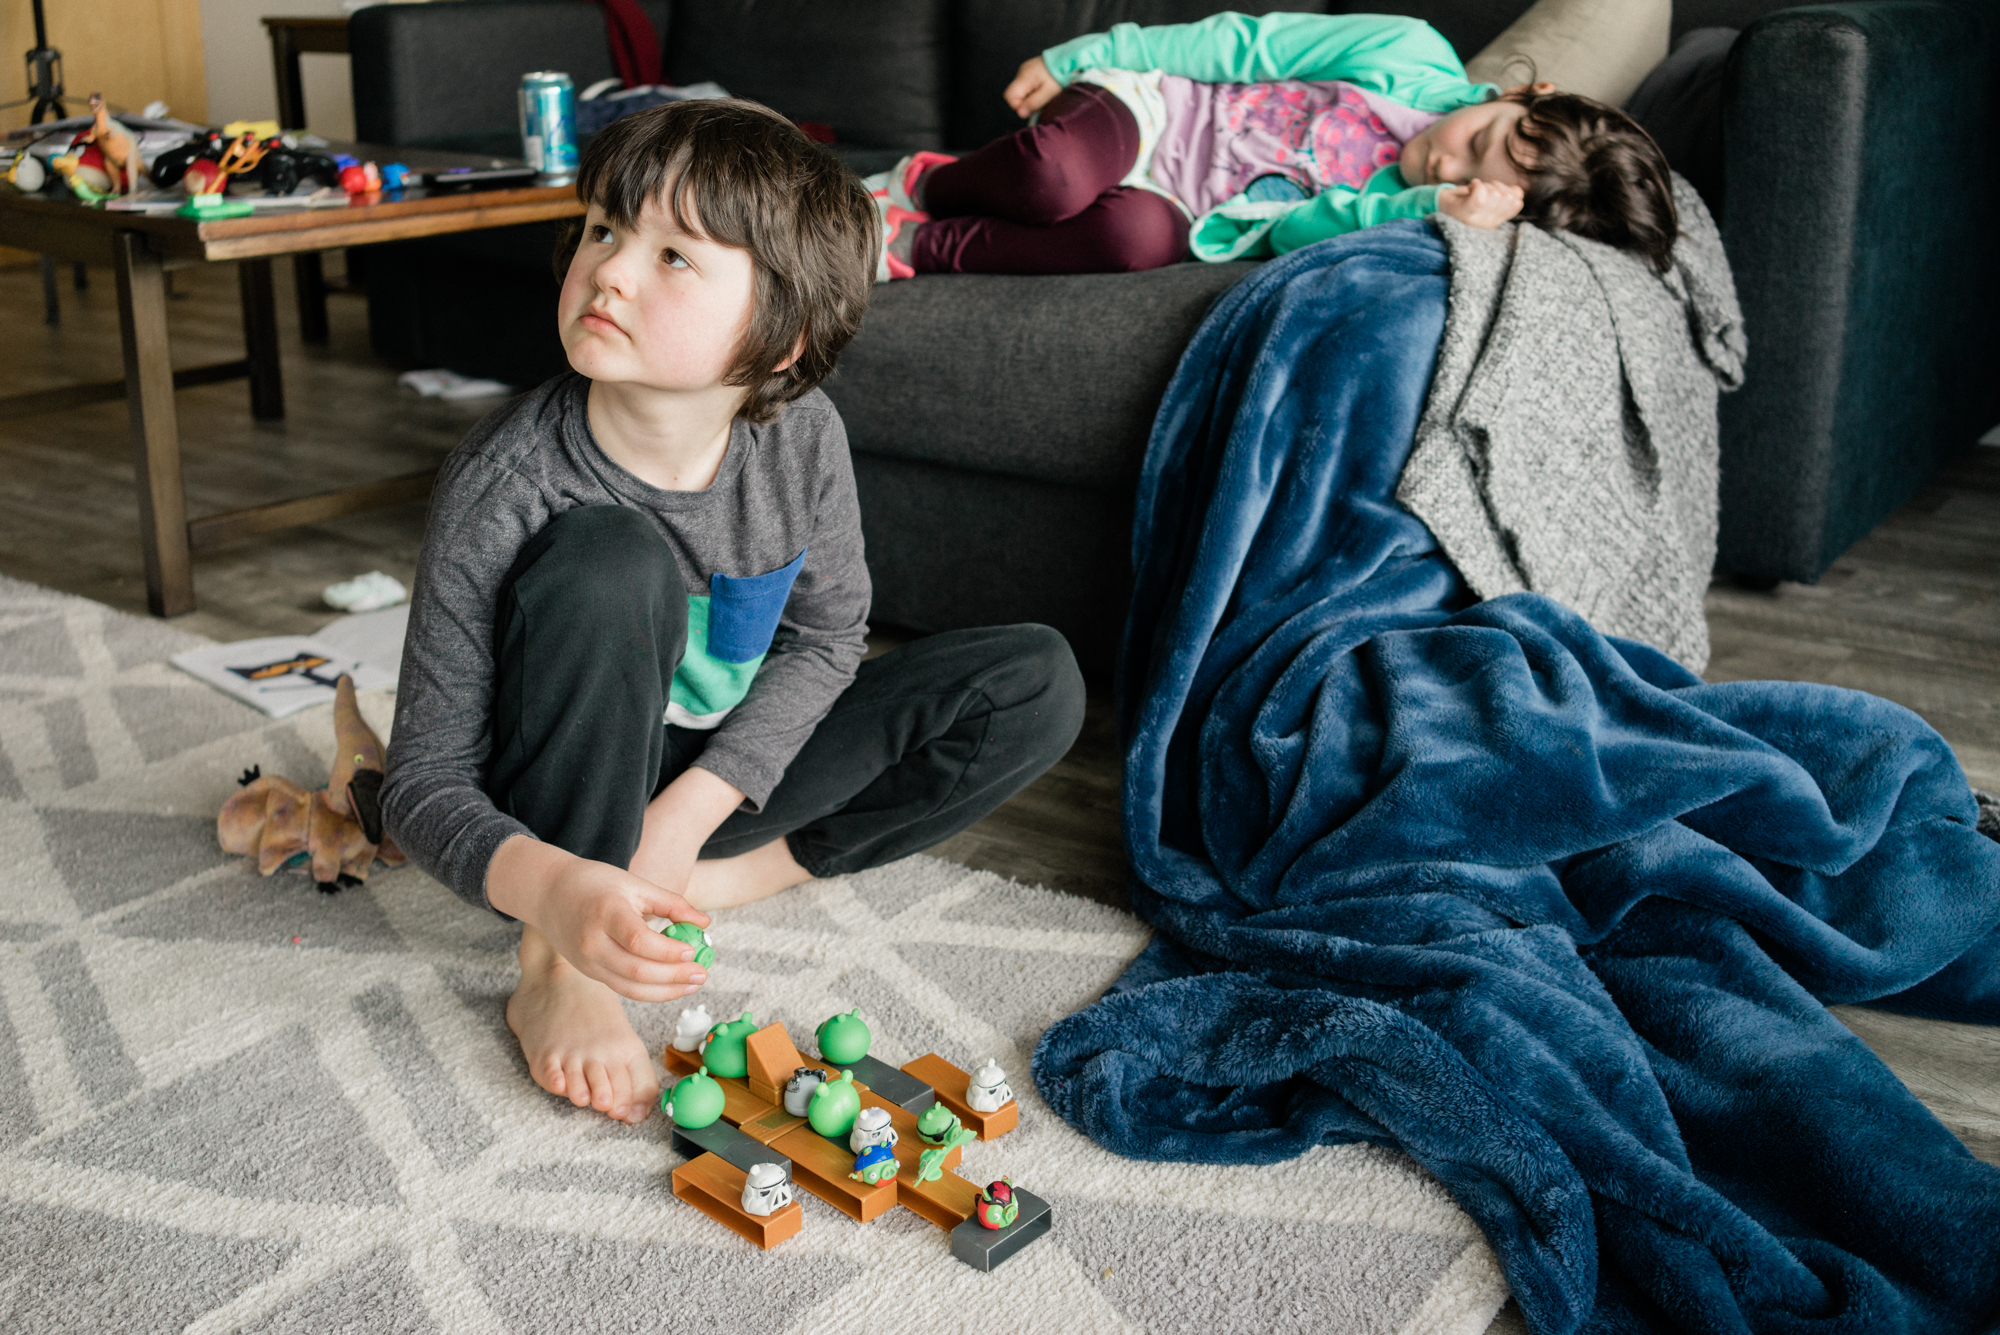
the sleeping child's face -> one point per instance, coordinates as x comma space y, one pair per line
652, 305
1472, 142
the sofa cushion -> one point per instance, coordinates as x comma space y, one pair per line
873, 70
446, 76
990, 39
1680, 105
948, 548
1055, 378
1469, 25
1599, 48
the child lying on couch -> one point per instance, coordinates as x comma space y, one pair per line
1267, 134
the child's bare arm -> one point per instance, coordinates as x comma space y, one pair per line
1033, 88
595, 916
1482, 203
678, 822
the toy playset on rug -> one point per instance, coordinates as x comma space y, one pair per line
756, 1121
753, 1117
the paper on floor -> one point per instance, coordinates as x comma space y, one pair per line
280, 674
376, 638
443, 384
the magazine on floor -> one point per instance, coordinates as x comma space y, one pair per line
280, 674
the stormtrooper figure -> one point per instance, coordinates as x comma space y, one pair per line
692, 1026
799, 1089
871, 1127
766, 1188
989, 1091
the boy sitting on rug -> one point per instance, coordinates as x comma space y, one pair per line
633, 684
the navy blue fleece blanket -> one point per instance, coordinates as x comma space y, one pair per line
1539, 907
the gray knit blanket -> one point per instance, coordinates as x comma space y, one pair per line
1568, 445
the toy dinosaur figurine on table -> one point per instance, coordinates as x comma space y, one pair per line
102, 160
336, 831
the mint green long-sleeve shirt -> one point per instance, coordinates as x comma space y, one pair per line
1398, 58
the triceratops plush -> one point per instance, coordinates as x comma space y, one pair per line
336, 829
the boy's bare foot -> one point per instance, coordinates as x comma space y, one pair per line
576, 1038
725, 883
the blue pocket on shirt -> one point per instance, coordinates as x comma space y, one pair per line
743, 612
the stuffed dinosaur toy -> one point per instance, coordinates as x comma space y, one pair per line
335, 831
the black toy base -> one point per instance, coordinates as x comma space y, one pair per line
983, 1248
728, 1144
905, 1091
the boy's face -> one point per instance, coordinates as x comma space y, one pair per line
1471, 142
653, 306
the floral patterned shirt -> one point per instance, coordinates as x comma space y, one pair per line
1219, 137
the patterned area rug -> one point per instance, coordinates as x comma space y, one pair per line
234, 1104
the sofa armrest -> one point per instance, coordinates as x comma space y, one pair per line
1856, 155
445, 76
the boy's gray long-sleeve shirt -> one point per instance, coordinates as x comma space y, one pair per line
783, 489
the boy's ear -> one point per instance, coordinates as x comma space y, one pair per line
798, 351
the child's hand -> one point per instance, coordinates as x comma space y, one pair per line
594, 914
1033, 88
1481, 204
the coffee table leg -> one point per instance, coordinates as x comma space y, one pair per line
310, 278
156, 441
260, 339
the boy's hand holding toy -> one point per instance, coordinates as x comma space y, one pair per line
1482, 203
594, 914
1033, 88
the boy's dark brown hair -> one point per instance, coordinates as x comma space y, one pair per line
742, 175
1596, 173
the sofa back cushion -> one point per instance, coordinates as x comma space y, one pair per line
873, 70
445, 76
1467, 24
1470, 25
990, 39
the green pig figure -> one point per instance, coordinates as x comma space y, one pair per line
844, 1039
835, 1105
724, 1053
690, 935
937, 1124
694, 1102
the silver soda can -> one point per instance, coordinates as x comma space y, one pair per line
548, 123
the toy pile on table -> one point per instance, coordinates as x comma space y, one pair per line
100, 160
756, 1121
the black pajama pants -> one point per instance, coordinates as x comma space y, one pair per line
927, 739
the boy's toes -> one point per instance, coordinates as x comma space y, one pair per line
548, 1073
620, 1102
576, 1081
645, 1093
600, 1085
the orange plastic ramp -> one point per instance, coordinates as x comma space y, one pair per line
951, 1084
822, 1167
714, 1186
771, 1057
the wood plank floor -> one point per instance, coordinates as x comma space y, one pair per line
1912, 612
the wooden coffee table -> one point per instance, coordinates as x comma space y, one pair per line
141, 248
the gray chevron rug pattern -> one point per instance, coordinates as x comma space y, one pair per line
229, 1103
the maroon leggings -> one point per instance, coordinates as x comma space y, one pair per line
1046, 199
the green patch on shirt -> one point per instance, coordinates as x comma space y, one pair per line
705, 688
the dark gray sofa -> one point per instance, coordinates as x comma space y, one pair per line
998, 422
